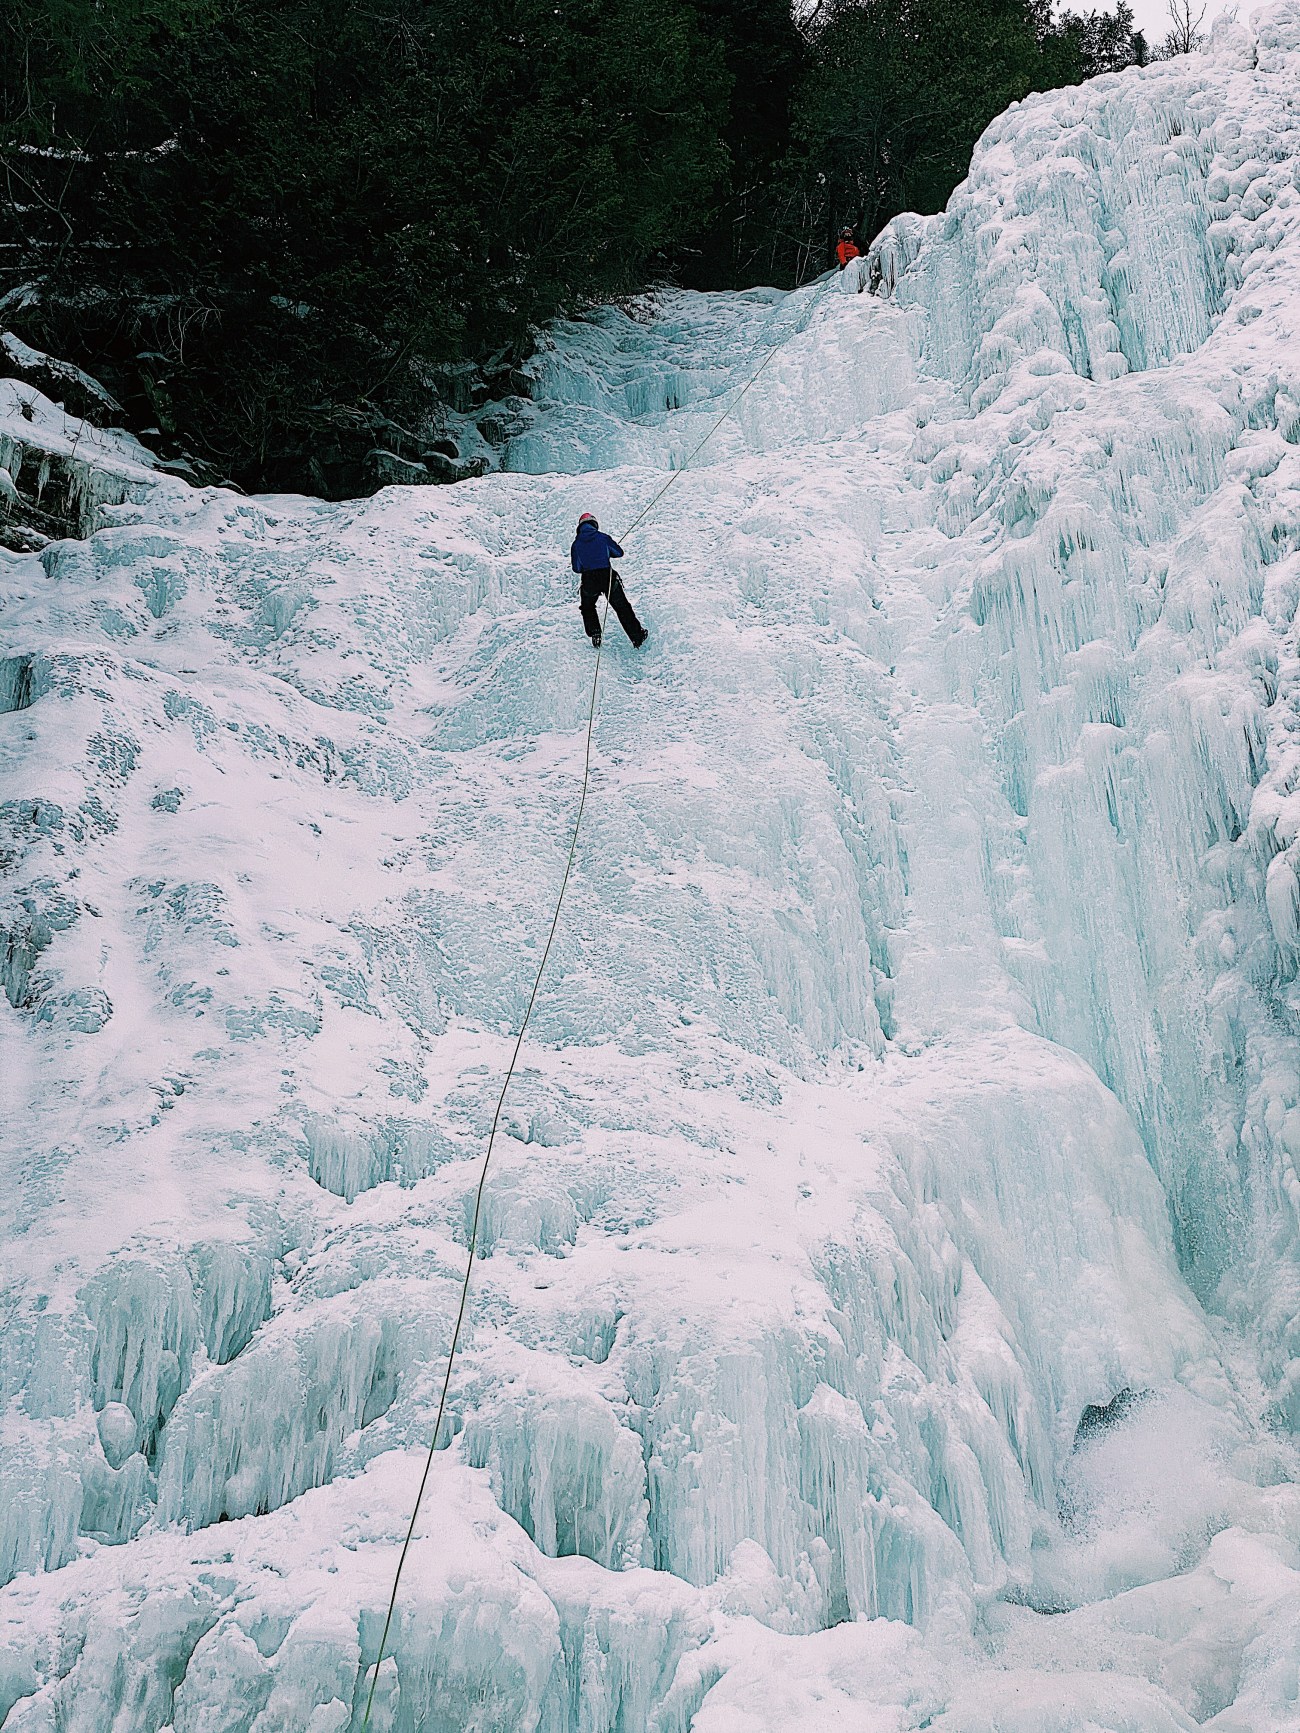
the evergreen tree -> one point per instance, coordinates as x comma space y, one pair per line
281, 232
275, 223
764, 53
896, 92
1095, 42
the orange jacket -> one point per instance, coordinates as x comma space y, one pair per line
847, 250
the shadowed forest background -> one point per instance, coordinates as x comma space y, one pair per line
284, 235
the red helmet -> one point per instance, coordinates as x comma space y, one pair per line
588, 518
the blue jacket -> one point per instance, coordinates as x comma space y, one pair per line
593, 549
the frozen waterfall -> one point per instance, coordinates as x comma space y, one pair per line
890, 1307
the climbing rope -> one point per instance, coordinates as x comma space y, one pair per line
699, 445
537, 983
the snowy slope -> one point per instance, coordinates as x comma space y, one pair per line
889, 1311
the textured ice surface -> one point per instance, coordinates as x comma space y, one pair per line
888, 1316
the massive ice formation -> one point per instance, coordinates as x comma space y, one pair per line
888, 1315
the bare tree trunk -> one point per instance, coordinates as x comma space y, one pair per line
1185, 27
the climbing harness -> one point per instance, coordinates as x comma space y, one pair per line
637, 521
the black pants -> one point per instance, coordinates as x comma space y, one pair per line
605, 582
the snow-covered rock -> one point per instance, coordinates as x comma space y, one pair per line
888, 1307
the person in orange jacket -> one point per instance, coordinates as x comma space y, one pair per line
848, 248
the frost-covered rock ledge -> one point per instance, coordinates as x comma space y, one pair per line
888, 1316
58, 468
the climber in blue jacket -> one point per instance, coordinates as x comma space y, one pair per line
592, 551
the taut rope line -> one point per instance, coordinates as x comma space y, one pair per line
532, 1000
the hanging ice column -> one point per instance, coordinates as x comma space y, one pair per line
1136, 611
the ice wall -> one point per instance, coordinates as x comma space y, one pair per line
888, 1300
1137, 609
